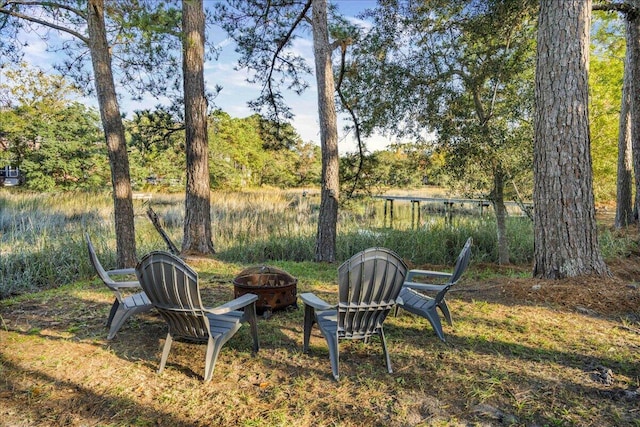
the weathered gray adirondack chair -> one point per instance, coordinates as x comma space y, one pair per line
172, 287
415, 301
368, 285
123, 305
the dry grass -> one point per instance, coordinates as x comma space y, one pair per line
521, 352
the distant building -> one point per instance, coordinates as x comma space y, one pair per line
10, 176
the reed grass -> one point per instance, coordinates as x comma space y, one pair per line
42, 244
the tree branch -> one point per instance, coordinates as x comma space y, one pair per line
495, 86
83, 38
78, 12
623, 7
281, 46
356, 123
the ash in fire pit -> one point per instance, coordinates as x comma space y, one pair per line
276, 289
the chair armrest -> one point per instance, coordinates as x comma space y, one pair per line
129, 284
233, 305
122, 283
312, 300
122, 272
427, 273
424, 286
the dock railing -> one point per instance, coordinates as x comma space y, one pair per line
448, 203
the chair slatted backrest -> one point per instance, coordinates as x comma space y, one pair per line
368, 285
172, 286
462, 262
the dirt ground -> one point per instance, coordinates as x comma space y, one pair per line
615, 296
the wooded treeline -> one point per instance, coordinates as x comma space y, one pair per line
470, 83
58, 145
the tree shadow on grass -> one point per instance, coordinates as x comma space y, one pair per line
513, 375
280, 371
421, 331
142, 336
24, 398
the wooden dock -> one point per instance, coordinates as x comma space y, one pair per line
448, 203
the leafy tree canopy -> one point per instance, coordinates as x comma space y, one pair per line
459, 70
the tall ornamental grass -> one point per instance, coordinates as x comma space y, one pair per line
42, 243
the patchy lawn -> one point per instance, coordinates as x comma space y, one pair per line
521, 352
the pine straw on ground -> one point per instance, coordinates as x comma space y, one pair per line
615, 296
521, 352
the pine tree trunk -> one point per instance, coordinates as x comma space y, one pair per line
566, 240
197, 216
633, 49
114, 135
624, 208
330, 188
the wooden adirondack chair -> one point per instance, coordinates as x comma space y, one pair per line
368, 285
172, 287
124, 305
415, 301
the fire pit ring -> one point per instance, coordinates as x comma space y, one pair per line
276, 289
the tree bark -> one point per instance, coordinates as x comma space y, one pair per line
497, 198
114, 135
633, 52
197, 218
566, 240
330, 185
624, 208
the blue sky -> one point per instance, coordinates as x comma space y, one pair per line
236, 91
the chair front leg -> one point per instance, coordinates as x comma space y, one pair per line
442, 305
213, 350
309, 320
384, 349
165, 352
432, 315
334, 355
112, 313
251, 318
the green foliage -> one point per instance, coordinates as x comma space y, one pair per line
156, 142
462, 70
58, 145
240, 157
407, 165
22, 86
68, 155
606, 70
54, 140
235, 148
275, 136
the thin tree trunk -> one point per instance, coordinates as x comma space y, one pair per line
566, 240
197, 217
114, 135
624, 208
501, 216
330, 185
